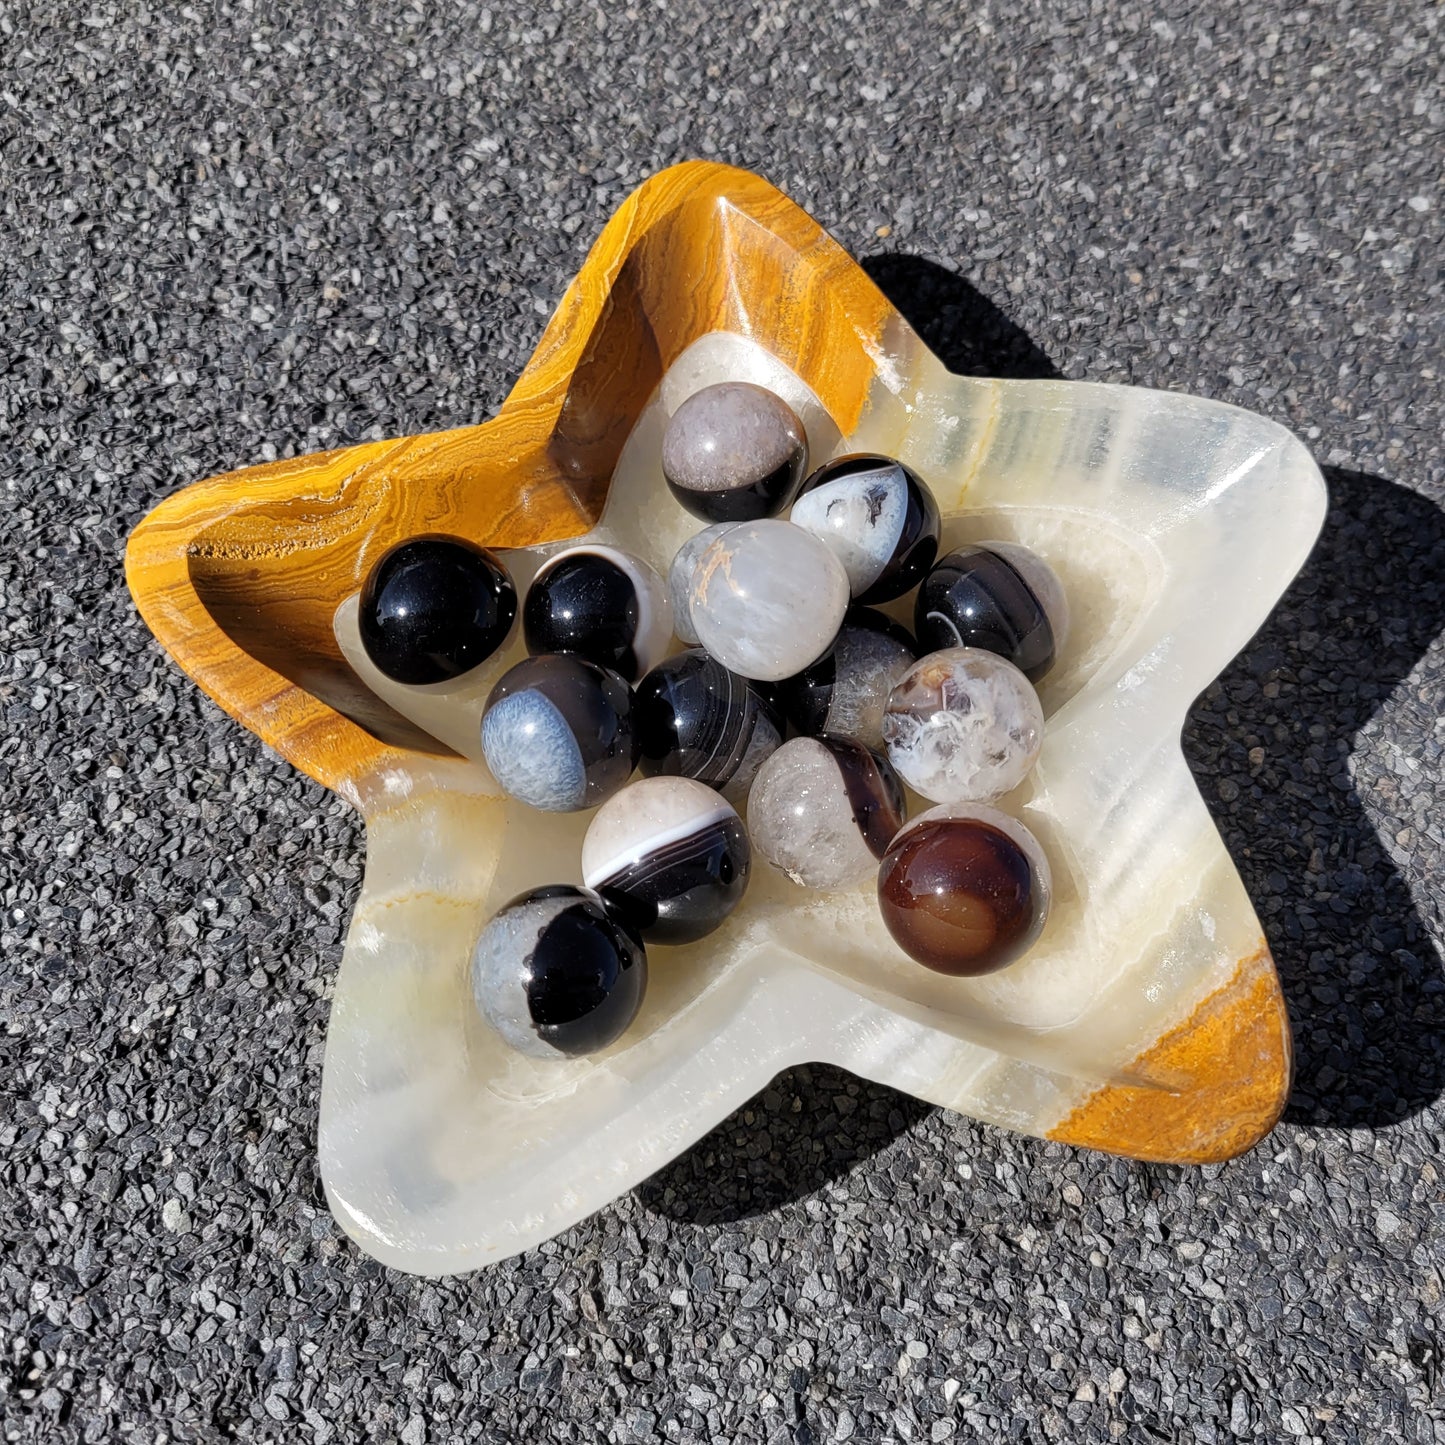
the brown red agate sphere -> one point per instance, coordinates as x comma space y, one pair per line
964, 889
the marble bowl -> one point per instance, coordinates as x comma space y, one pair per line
1148, 1021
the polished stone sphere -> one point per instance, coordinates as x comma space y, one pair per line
557, 974
963, 725
557, 733
602, 604
680, 575
823, 811
964, 889
433, 608
998, 596
670, 856
877, 516
734, 452
695, 719
768, 599
846, 690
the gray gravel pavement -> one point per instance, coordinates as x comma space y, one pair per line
240, 230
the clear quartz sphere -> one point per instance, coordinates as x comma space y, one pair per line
824, 810
963, 725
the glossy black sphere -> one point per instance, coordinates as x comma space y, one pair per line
558, 973
975, 597
695, 719
602, 604
434, 608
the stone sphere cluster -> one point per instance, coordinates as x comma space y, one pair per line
776, 601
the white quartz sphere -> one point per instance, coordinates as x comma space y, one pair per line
963, 726
681, 574
768, 599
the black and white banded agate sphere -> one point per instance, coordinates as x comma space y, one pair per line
999, 596
557, 733
878, 517
670, 856
734, 452
557, 974
602, 604
695, 719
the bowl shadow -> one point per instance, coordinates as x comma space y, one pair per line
809, 1127
1271, 750
1364, 989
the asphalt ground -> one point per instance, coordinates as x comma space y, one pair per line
235, 231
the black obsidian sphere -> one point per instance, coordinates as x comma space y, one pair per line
695, 719
557, 973
979, 597
434, 608
602, 604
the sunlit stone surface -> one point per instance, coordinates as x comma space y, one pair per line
1173, 524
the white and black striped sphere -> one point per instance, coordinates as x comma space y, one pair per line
670, 856
557, 974
846, 691
824, 810
695, 719
557, 733
999, 596
878, 517
602, 604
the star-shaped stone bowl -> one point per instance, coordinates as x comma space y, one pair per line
1148, 1021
